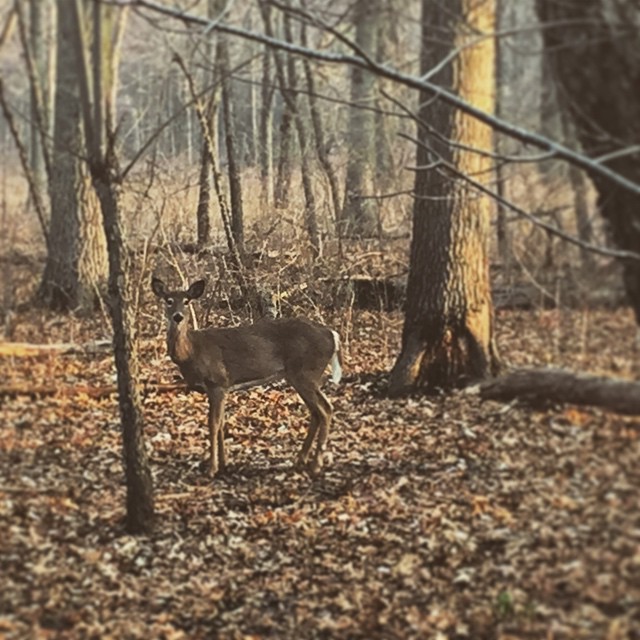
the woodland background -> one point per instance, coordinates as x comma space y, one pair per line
438, 514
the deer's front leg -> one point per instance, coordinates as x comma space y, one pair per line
216, 396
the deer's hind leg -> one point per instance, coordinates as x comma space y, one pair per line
320, 410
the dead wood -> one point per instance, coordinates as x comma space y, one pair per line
26, 349
555, 385
12, 391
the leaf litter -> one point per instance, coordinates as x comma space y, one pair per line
435, 517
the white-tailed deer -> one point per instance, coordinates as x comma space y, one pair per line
218, 360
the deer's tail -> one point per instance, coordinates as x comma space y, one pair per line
336, 359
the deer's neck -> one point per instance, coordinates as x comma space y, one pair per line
178, 342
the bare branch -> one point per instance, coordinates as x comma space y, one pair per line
24, 161
495, 122
604, 251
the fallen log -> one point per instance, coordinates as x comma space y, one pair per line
537, 386
25, 349
13, 391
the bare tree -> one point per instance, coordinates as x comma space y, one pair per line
235, 180
359, 213
76, 257
448, 332
322, 150
96, 74
265, 130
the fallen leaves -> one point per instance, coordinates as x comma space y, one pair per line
435, 517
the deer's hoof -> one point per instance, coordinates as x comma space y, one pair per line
212, 471
314, 468
300, 464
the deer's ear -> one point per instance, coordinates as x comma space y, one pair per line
196, 290
158, 287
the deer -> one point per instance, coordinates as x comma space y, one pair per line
217, 360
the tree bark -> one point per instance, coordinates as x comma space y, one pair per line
593, 52
235, 180
38, 10
106, 179
318, 132
536, 386
359, 216
265, 126
203, 212
140, 510
76, 260
448, 332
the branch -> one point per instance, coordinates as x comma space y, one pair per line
503, 126
24, 161
604, 251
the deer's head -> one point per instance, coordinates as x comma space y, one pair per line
176, 301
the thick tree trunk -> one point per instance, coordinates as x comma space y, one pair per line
597, 65
76, 260
447, 336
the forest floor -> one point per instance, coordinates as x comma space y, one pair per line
435, 517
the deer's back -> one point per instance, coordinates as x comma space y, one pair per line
234, 355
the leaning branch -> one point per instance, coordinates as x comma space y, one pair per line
513, 131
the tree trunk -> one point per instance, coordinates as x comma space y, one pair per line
519, 79
76, 260
359, 215
106, 177
203, 216
318, 132
265, 128
286, 131
235, 180
288, 82
385, 131
597, 66
203, 212
140, 510
447, 336
38, 10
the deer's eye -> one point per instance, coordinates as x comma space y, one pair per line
169, 301
187, 301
